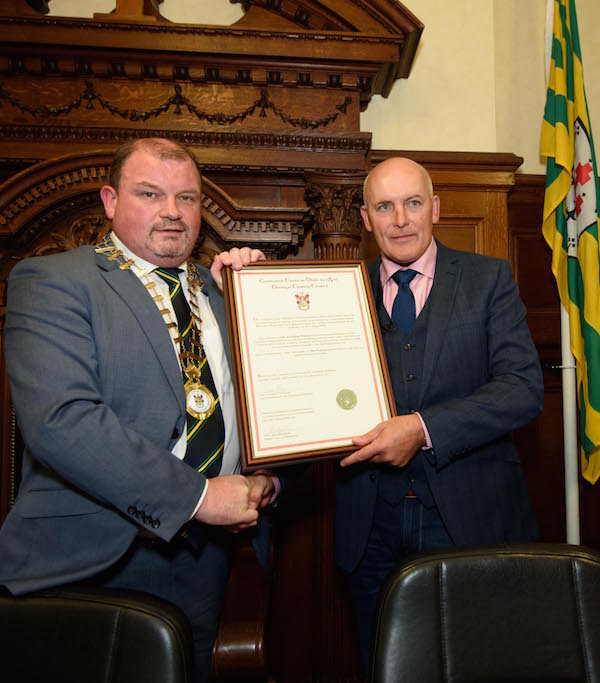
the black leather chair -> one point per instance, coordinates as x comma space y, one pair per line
93, 636
520, 613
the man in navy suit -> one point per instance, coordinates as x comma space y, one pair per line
96, 366
464, 372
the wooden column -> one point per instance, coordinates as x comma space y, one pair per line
334, 201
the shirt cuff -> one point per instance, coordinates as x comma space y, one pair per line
428, 443
200, 501
276, 484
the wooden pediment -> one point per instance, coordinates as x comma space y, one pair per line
288, 77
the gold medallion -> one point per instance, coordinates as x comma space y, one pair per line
200, 402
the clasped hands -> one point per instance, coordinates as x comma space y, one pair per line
234, 501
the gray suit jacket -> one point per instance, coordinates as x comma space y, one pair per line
481, 380
100, 403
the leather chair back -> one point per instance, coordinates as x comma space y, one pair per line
521, 613
96, 636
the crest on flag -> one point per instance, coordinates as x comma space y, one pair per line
581, 199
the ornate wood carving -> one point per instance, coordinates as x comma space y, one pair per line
86, 82
350, 16
178, 102
55, 205
335, 203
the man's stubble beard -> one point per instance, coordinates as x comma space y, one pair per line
179, 249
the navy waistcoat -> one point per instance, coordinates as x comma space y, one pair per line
404, 353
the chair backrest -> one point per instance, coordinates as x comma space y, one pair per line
521, 613
96, 636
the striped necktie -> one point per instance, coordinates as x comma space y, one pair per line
205, 438
404, 311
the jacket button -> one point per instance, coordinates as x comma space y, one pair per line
407, 346
140, 514
372, 476
409, 377
131, 510
155, 524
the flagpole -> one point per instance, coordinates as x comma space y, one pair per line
568, 376
569, 401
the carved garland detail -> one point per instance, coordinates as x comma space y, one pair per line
178, 100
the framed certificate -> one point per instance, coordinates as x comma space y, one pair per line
308, 369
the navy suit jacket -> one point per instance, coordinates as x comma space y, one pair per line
100, 403
482, 379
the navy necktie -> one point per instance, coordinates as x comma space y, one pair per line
404, 311
205, 439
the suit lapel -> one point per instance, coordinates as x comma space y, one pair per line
217, 305
382, 315
441, 301
132, 291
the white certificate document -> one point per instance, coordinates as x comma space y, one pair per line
310, 363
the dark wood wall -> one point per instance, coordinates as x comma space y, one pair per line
273, 115
541, 443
